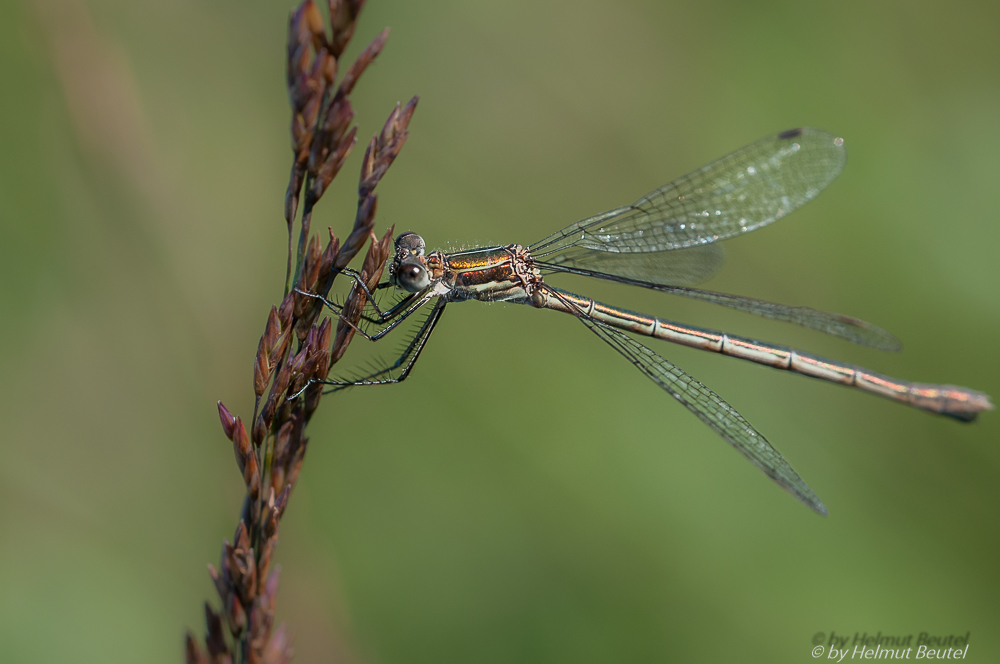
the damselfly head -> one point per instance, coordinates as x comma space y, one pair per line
409, 243
408, 269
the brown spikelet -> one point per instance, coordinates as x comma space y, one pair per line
215, 640
359, 66
286, 311
279, 651
236, 615
343, 18
385, 147
193, 653
228, 421
261, 369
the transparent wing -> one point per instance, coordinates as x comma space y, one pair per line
676, 268
740, 192
636, 270
707, 406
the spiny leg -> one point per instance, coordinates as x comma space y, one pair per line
392, 312
421, 298
406, 360
359, 282
382, 316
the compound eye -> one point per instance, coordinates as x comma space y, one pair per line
410, 243
412, 277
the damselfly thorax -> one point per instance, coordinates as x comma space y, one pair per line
489, 274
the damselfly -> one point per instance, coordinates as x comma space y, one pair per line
666, 241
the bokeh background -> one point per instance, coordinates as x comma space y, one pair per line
143, 160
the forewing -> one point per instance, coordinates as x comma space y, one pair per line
635, 270
676, 268
743, 191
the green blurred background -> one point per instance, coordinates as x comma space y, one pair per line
143, 160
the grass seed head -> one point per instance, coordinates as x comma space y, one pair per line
270, 457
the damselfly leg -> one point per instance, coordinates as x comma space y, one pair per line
396, 315
405, 361
381, 316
